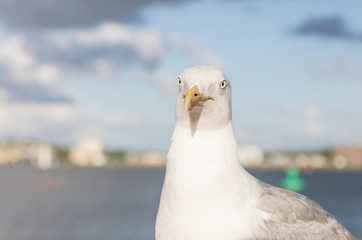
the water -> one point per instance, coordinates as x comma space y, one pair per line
107, 204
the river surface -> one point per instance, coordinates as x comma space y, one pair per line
110, 204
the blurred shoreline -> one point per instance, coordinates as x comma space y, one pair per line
90, 153
156, 168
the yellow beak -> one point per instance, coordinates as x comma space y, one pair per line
193, 97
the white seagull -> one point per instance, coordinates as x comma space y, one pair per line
208, 195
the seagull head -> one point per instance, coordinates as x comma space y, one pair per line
204, 97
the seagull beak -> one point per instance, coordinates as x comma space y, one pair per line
193, 97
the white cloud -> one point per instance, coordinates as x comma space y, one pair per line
313, 124
201, 55
165, 81
39, 61
21, 66
21, 119
121, 119
143, 43
46, 74
104, 68
62, 123
13, 53
312, 112
314, 128
149, 45
107, 33
197, 51
4, 95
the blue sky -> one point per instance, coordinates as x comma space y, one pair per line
77, 69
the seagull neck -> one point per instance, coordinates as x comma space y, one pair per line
204, 158
203, 145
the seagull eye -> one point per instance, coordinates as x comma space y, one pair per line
222, 85
179, 81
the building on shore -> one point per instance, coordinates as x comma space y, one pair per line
40, 155
146, 159
347, 157
88, 152
251, 155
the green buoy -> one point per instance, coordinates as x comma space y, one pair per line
292, 180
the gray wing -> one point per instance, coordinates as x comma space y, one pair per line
294, 216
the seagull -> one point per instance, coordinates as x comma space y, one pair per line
208, 195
